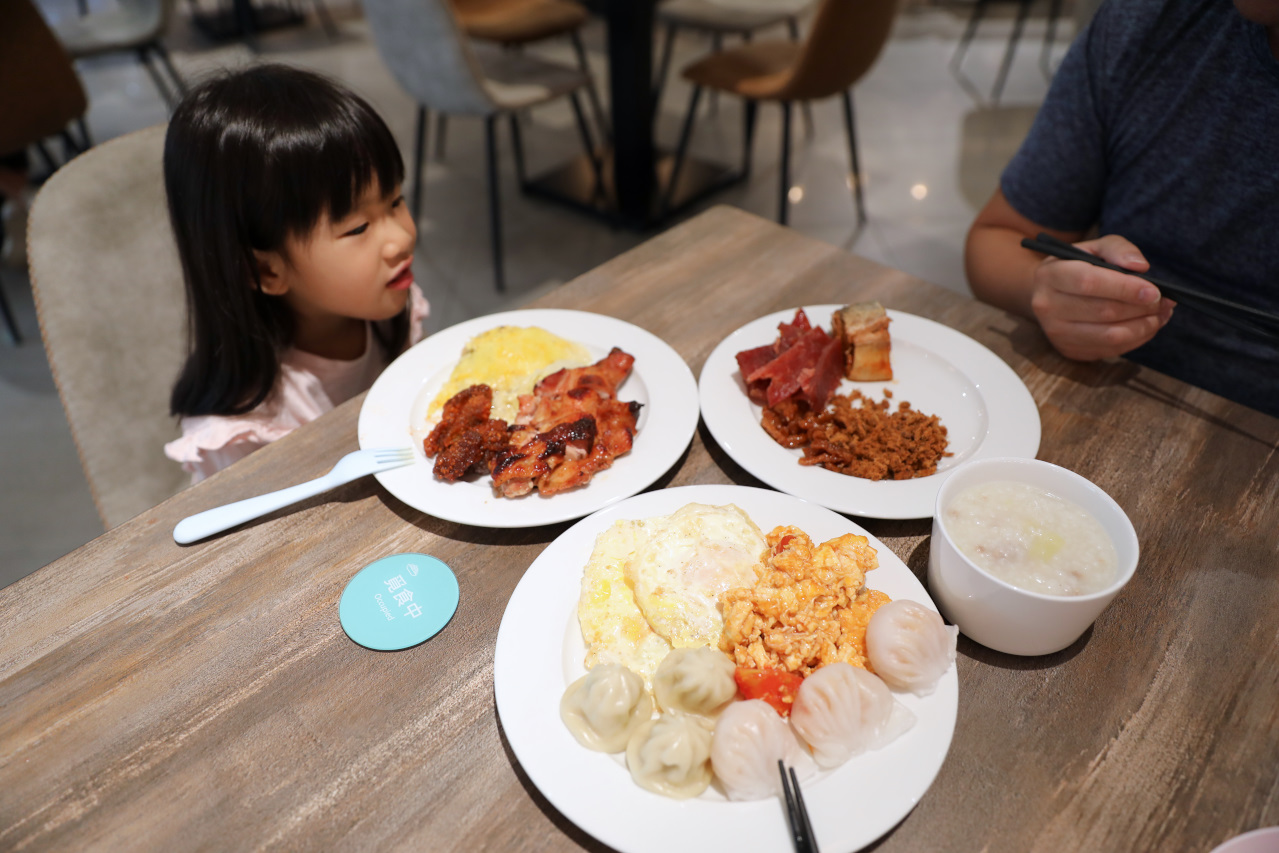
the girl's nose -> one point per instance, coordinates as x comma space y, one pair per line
401, 237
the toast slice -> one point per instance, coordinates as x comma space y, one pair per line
863, 330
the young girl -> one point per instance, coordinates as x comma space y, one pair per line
296, 248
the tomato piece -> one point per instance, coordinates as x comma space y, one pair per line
777, 687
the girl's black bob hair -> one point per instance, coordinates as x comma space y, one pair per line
253, 157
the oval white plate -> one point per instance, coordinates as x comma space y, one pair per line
982, 402
540, 652
393, 415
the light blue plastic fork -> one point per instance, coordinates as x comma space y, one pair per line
350, 467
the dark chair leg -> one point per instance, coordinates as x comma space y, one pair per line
1023, 10
145, 58
1050, 35
682, 151
961, 49
419, 155
86, 141
10, 323
441, 132
517, 145
792, 26
163, 53
588, 144
749, 110
850, 127
495, 202
783, 205
717, 44
597, 107
663, 67
43, 150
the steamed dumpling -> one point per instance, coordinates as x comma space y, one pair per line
671, 755
842, 710
750, 738
695, 681
910, 646
604, 707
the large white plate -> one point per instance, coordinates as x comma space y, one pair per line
540, 652
982, 402
393, 415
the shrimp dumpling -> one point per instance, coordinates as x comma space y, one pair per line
910, 646
695, 681
604, 707
750, 738
671, 755
842, 710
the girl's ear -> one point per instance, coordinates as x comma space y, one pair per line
271, 273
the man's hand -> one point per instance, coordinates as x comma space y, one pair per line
1088, 312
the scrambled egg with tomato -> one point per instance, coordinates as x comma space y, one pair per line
809, 607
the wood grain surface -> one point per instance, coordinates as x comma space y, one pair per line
158, 697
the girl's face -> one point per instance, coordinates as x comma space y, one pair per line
355, 269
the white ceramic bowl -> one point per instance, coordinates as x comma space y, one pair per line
1004, 617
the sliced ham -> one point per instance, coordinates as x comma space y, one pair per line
817, 384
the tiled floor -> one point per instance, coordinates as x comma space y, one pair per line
930, 150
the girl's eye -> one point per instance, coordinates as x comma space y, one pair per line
399, 200
358, 230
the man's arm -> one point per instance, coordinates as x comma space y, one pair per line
1086, 312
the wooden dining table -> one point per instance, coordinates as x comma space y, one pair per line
160, 697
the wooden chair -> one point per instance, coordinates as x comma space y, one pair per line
845, 40
719, 20
40, 97
423, 44
109, 296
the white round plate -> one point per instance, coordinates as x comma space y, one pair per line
540, 652
393, 415
982, 402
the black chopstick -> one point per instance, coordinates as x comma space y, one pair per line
1250, 319
801, 829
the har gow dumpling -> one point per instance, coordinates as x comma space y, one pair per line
909, 646
671, 755
695, 681
604, 707
842, 710
750, 738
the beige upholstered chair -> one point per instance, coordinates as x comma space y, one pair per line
128, 26
109, 295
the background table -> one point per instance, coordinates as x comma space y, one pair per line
159, 697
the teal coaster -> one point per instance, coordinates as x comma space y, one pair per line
398, 601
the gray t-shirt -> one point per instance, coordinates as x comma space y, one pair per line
1162, 125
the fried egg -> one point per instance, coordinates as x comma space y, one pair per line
510, 360
612, 626
684, 562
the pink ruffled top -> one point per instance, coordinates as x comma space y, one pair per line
308, 386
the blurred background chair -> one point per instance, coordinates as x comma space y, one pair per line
131, 26
980, 8
423, 44
720, 18
109, 296
516, 23
843, 43
40, 98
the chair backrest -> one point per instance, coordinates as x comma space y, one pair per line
109, 295
845, 39
423, 45
40, 93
